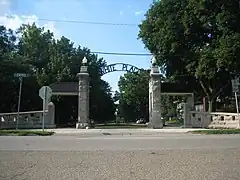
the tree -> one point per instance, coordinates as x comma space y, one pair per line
134, 99
116, 96
48, 60
195, 38
7, 68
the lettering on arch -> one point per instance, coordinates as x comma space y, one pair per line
118, 67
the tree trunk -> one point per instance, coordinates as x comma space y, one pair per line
212, 105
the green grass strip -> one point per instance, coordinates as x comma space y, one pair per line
24, 133
217, 131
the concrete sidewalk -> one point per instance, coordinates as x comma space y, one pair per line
120, 131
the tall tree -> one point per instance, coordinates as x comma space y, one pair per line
48, 60
116, 96
7, 68
195, 38
134, 94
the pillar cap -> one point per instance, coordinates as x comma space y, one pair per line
82, 74
51, 104
155, 69
153, 60
85, 60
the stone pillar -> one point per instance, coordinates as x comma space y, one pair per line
83, 98
190, 102
188, 106
186, 116
155, 120
51, 114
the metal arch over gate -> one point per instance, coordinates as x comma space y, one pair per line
156, 88
118, 67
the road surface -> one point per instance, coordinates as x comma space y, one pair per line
167, 156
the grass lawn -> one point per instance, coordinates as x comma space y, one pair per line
119, 126
217, 131
172, 121
24, 133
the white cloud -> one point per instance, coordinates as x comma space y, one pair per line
4, 6
137, 13
5, 2
121, 12
14, 22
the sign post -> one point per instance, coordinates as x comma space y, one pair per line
20, 76
235, 88
45, 93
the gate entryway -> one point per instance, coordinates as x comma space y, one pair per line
156, 89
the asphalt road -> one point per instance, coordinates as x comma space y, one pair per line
116, 157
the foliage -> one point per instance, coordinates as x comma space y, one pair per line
195, 38
168, 106
134, 95
116, 96
35, 51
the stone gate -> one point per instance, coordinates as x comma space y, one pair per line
81, 89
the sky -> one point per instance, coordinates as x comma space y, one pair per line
98, 38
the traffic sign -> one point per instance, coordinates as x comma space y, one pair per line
45, 92
22, 75
235, 85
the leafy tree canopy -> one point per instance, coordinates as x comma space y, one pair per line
197, 38
133, 89
35, 51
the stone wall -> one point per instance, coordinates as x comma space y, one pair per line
214, 120
28, 120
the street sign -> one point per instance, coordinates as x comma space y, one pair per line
45, 92
235, 85
20, 75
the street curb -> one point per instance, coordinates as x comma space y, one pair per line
120, 131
